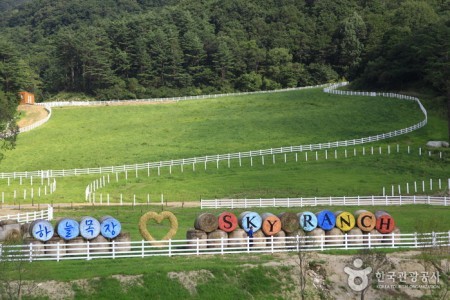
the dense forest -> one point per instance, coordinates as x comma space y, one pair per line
149, 48
123, 49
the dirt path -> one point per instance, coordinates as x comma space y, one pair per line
32, 114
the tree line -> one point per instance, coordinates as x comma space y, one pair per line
123, 49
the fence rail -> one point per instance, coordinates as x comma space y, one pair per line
46, 214
237, 155
38, 123
112, 250
93, 188
329, 201
172, 99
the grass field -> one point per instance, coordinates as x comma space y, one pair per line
116, 135
81, 137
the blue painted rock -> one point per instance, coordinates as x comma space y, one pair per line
249, 219
307, 220
110, 227
326, 219
68, 228
89, 227
41, 230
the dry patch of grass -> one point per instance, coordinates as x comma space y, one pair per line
30, 114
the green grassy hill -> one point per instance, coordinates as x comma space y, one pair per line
81, 137
113, 135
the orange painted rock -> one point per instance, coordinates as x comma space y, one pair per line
365, 220
227, 222
271, 224
385, 222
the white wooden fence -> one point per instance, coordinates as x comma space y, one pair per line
32, 192
92, 194
173, 99
27, 217
327, 201
40, 122
112, 250
237, 155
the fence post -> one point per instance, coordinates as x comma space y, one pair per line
346, 241
31, 252
170, 247
198, 246
113, 248
50, 213
322, 242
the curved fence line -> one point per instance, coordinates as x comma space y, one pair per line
38, 123
172, 99
113, 249
48, 105
28, 217
416, 186
237, 155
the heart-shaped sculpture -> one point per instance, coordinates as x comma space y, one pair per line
151, 215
